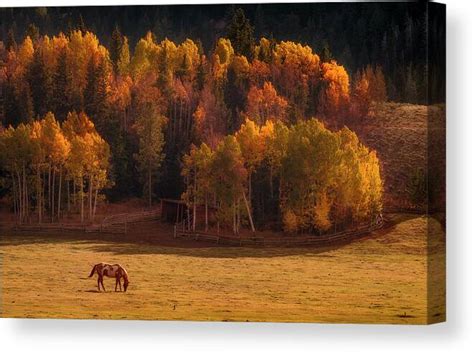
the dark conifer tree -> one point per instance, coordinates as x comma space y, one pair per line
26, 108
116, 47
240, 33
40, 83
95, 94
10, 105
60, 97
33, 32
235, 97
10, 43
81, 25
326, 55
90, 90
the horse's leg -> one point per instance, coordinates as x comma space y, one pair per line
98, 283
118, 278
102, 282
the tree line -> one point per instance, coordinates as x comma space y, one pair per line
392, 35
316, 179
152, 103
54, 168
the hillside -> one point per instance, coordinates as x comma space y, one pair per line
399, 133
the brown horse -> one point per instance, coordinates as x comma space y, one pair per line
108, 270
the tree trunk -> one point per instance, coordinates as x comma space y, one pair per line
250, 190
43, 196
238, 215
82, 199
248, 211
194, 202
59, 190
207, 217
20, 197
25, 195
15, 202
52, 195
38, 192
149, 186
68, 196
74, 192
233, 218
180, 128
95, 202
271, 182
49, 186
90, 196
27, 201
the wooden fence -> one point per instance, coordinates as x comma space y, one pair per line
278, 241
117, 223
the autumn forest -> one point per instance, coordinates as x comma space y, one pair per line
240, 163
256, 128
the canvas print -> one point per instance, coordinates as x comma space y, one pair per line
247, 162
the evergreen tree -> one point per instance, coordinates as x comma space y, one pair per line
60, 98
10, 104
40, 82
149, 127
95, 94
33, 32
326, 55
90, 89
26, 106
123, 64
10, 43
116, 48
81, 25
240, 33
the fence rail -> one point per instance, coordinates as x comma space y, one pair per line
117, 223
277, 241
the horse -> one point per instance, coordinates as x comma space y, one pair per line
108, 270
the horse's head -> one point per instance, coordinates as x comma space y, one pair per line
125, 284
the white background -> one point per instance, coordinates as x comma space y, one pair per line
455, 336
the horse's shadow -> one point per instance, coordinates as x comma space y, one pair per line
96, 291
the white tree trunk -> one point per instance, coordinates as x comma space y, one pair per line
194, 202
59, 190
82, 199
248, 211
95, 202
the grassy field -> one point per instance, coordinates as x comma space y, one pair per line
379, 279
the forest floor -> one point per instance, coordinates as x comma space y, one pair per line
382, 278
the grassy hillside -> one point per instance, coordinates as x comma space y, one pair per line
401, 134
379, 279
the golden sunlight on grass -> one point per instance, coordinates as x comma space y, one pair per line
380, 279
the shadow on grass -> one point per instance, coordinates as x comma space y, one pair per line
135, 243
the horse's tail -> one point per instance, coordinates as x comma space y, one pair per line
93, 270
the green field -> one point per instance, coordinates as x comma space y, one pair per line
379, 279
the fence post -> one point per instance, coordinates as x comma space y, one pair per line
174, 231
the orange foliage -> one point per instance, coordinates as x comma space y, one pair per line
360, 99
265, 104
259, 72
335, 97
209, 118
